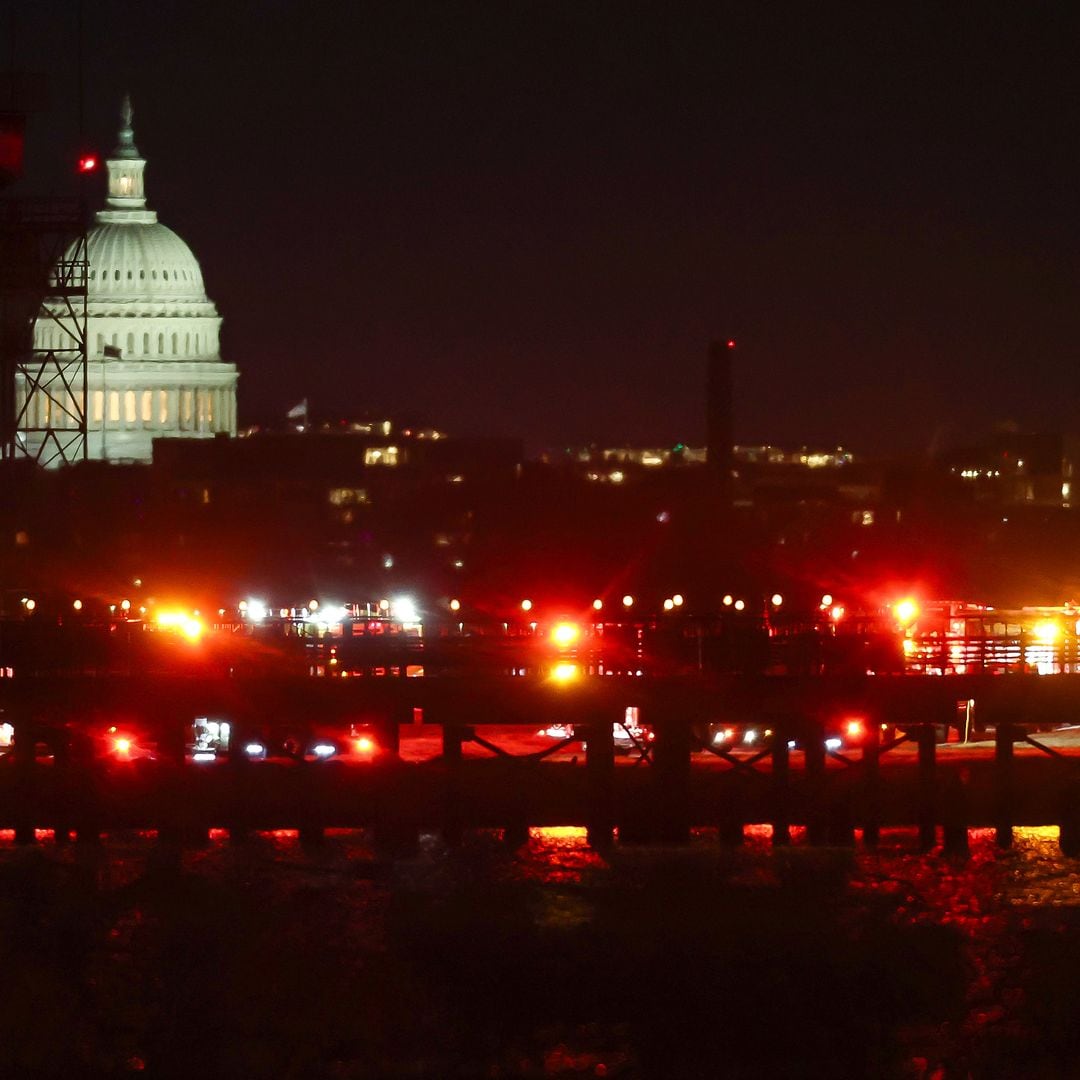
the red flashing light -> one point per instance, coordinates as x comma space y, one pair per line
731, 343
88, 163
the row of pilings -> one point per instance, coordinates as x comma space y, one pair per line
659, 796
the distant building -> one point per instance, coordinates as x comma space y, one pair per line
154, 365
1014, 467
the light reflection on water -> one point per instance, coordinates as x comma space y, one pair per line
1002, 905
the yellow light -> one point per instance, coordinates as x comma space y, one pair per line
854, 729
313, 605
909, 647
77, 605
31, 604
455, 605
191, 627
627, 601
826, 600
740, 605
777, 599
565, 633
906, 611
677, 599
669, 604
364, 745
837, 612
598, 605
565, 672
122, 746
1046, 632
728, 599
125, 605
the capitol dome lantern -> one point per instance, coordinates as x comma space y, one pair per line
154, 367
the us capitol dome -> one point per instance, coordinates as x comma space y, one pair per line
154, 367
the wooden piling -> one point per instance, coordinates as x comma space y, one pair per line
927, 786
1003, 781
600, 779
671, 777
817, 808
871, 784
453, 736
781, 785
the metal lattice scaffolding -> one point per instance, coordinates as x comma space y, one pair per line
43, 281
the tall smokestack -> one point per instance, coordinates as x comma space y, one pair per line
718, 417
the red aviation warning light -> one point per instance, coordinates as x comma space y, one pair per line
88, 162
731, 343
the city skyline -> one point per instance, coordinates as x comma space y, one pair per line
532, 221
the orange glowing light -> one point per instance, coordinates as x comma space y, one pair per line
122, 746
565, 633
364, 745
188, 625
837, 612
1046, 632
564, 673
906, 611
855, 728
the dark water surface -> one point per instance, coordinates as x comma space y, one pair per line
271, 959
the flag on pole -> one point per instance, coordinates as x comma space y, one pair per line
299, 412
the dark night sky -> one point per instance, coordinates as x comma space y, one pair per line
529, 219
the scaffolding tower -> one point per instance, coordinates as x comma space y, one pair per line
43, 282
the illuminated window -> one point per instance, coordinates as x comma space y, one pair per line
97, 406
185, 407
384, 455
147, 409
163, 407
114, 406
129, 406
347, 497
